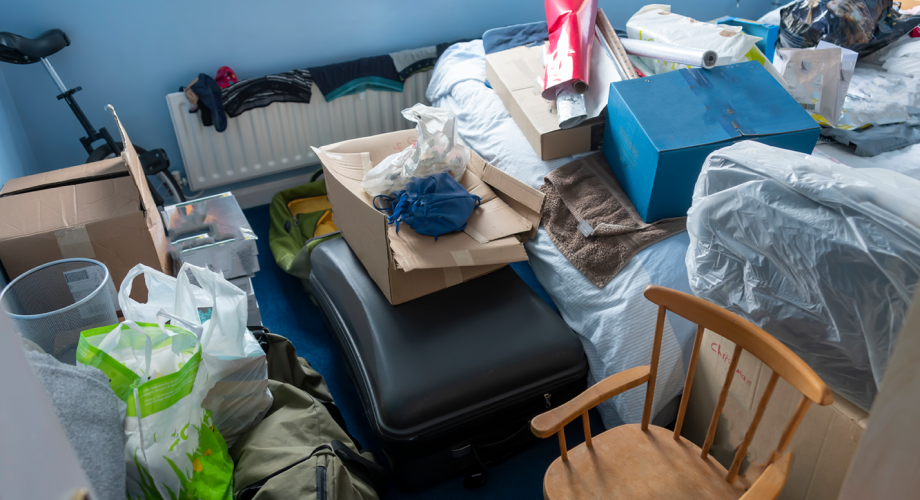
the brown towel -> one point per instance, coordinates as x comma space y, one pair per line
592, 221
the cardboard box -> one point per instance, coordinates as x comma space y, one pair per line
513, 75
212, 232
406, 265
660, 129
822, 447
101, 210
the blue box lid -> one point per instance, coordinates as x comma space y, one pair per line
694, 107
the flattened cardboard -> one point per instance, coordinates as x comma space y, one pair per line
512, 74
822, 447
100, 210
408, 265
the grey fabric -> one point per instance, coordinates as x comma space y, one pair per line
875, 140
593, 223
92, 418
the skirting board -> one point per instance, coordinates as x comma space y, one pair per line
261, 194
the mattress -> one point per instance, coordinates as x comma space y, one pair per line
615, 323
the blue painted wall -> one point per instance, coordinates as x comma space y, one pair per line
16, 157
132, 53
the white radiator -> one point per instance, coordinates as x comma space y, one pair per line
278, 137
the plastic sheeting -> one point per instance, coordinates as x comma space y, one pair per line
824, 257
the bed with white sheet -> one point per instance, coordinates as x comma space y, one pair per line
615, 323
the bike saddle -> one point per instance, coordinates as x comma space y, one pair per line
21, 50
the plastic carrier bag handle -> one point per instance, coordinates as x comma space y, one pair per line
124, 291
113, 337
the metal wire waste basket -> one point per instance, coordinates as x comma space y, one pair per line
51, 304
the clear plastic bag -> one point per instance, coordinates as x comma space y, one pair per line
822, 256
437, 149
877, 97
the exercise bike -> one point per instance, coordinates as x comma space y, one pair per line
17, 49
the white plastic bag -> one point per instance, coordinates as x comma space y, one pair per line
437, 149
824, 257
656, 23
240, 396
172, 448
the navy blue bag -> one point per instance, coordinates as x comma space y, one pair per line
432, 206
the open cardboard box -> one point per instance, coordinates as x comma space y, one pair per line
407, 265
101, 210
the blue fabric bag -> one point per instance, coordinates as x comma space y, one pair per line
432, 206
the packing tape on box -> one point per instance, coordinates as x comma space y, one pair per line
462, 257
74, 243
452, 276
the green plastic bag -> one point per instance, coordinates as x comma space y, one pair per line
172, 449
292, 237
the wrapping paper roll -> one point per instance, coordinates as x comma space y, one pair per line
571, 34
570, 108
672, 53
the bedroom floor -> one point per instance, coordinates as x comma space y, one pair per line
286, 310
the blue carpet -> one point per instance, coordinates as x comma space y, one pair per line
286, 310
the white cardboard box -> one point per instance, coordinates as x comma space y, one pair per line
822, 448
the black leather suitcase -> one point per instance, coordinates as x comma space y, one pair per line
451, 380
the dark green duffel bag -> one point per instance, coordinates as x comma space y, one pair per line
302, 448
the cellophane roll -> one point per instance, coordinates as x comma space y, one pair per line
571, 33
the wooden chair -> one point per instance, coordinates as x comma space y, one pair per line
643, 461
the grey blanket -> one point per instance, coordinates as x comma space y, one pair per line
593, 223
92, 418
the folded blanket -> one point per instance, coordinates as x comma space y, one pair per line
593, 223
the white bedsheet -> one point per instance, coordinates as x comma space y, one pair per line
616, 323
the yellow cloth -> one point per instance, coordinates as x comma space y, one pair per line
308, 205
325, 225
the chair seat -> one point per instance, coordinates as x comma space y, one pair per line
625, 462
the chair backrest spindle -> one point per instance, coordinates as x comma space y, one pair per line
688, 383
749, 435
723, 395
653, 367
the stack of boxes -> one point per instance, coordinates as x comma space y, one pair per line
212, 232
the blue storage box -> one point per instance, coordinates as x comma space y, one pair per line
660, 129
766, 32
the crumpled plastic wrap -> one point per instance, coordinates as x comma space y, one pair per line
861, 25
571, 37
437, 149
878, 97
822, 256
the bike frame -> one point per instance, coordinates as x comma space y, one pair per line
91, 134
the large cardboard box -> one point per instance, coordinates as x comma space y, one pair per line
822, 447
513, 75
660, 129
102, 211
407, 265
